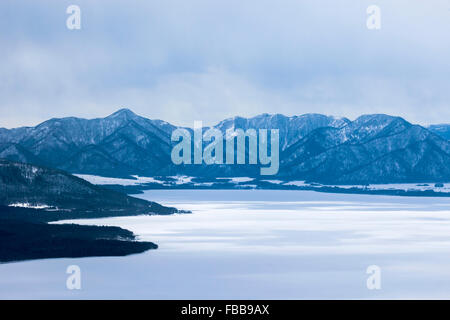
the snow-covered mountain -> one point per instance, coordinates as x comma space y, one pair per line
313, 147
441, 129
291, 129
119, 144
371, 149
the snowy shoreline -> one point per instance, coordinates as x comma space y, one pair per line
137, 184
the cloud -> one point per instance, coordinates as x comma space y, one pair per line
207, 60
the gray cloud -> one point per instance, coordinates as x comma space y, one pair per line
206, 60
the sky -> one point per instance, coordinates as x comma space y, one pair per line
183, 61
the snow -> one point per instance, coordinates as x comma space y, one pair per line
410, 187
397, 186
391, 186
249, 186
28, 205
297, 183
182, 179
274, 181
117, 181
238, 179
204, 184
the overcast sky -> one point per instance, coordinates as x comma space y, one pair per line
186, 60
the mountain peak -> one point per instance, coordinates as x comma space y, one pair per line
380, 117
123, 113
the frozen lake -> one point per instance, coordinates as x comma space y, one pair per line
262, 244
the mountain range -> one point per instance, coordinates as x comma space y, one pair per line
370, 149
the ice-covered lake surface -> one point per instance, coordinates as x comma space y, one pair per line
262, 244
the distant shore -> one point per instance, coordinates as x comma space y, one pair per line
26, 235
136, 185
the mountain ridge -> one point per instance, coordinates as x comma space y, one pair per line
27, 185
313, 147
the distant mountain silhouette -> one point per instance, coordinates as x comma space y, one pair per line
313, 147
371, 149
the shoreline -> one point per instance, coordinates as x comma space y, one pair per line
139, 189
28, 235
136, 185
